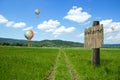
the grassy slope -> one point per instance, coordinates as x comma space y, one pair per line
108, 70
26, 63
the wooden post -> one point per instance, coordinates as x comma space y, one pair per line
96, 56
95, 51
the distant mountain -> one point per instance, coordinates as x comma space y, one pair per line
60, 43
111, 45
12, 40
46, 43
43, 43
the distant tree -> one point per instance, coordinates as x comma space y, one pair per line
5, 44
19, 44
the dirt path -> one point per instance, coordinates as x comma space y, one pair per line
51, 75
71, 71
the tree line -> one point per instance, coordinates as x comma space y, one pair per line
12, 44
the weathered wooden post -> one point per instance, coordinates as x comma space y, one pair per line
95, 56
95, 51
94, 40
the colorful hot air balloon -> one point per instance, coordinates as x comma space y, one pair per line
29, 35
37, 12
112, 28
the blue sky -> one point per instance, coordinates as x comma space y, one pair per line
59, 19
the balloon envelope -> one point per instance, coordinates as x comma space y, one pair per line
29, 34
112, 28
37, 11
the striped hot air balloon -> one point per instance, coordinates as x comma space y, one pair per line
29, 35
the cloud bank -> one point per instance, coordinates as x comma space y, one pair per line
111, 36
54, 26
77, 14
13, 24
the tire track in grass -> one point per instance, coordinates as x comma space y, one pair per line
51, 75
62, 69
62, 72
72, 71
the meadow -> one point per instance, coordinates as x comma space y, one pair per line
22, 63
26, 63
109, 68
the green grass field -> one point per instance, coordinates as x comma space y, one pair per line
22, 63
108, 70
26, 63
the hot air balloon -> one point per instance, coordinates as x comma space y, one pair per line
29, 35
112, 28
37, 12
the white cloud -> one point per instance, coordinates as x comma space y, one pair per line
49, 25
108, 24
111, 36
76, 14
28, 28
19, 25
62, 29
54, 27
13, 24
81, 35
114, 38
3, 20
10, 23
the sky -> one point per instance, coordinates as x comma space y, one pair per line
59, 19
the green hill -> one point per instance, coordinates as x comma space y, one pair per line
60, 43
43, 43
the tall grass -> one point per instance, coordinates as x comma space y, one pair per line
108, 70
26, 63
35, 63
